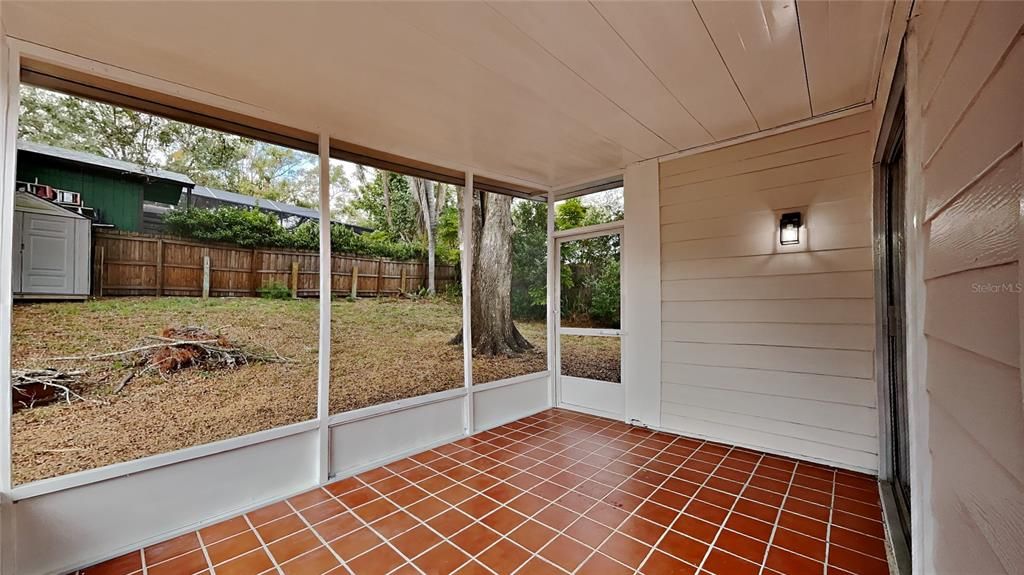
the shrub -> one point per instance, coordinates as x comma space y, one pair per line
248, 228
275, 290
257, 229
604, 305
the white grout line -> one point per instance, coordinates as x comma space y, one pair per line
683, 508
778, 518
629, 514
721, 463
202, 546
633, 514
550, 503
721, 526
263, 544
828, 528
644, 500
498, 481
607, 441
316, 534
561, 425
366, 524
423, 522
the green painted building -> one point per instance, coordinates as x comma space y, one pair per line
116, 190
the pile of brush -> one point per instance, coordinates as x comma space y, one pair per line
32, 387
178, 348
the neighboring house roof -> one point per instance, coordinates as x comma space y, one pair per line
226, 197
253, 202
26, 202
100, 161
220, 196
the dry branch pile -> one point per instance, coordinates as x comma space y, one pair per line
180, 348
175, 349
32, 387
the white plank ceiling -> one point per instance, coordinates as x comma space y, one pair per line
548, 93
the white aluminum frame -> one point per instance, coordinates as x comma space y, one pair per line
323, 391
11, 103
466, 261
396, 406
15, 50
125, 468
556, 239
553, 305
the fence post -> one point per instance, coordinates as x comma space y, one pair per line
402, 288
103, 257
380, 276
295, 280
254, 273
206, 273
159, 268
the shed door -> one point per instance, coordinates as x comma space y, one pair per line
16, 271
47, 254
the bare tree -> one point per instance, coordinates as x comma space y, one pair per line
430, 203
494, 333
386, 188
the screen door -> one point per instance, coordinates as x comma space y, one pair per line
589, 328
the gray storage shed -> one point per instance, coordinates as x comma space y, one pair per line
52, 247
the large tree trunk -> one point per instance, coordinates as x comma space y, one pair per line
494, 333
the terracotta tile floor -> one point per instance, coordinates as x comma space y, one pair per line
557, 492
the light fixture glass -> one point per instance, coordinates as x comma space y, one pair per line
789, 228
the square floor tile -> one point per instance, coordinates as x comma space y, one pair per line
504, 557
556, 492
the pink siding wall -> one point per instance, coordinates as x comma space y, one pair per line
969, 102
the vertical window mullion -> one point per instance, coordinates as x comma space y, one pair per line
324, 365
466, 261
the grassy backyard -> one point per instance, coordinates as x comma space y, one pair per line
382, 350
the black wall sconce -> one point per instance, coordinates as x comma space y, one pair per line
789, 228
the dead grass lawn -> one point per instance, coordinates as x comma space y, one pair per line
382, 350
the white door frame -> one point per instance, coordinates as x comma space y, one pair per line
591, 396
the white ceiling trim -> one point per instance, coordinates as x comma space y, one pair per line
569, 189
827, 117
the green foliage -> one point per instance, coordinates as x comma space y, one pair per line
590, 287
605, 303
405, 226
598, 208
209, 157
529, 259
369, 204
590, 282
448, 223
590, 268
570, 214
245, 227
254, 228
275, 290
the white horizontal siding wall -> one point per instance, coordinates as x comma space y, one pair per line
968, 107
765, 345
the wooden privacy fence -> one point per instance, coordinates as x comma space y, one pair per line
127, 264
